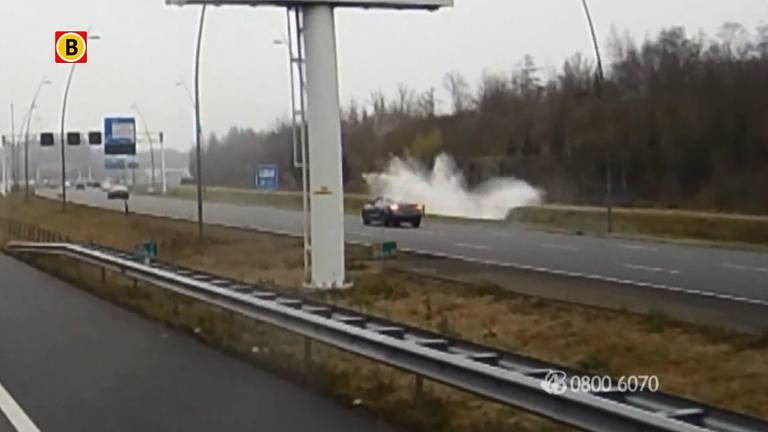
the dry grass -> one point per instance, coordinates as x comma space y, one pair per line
671, 224
717, 367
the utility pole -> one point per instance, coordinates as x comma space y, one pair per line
198, 127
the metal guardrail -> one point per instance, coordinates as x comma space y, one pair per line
505, 377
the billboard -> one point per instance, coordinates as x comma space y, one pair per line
267, 177
393, 4
120, 136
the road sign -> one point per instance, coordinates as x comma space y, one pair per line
120, 136
390, 4
114, 163
71, 47
73, 138
46, 139
94, 138
267, 177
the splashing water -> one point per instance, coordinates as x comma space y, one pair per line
444, 191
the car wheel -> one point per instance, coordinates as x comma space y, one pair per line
416, 223
366, 222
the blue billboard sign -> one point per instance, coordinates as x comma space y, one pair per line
114, 163
120, 136
267, 177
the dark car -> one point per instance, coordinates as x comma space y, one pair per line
80, 186
389, 212
118, 192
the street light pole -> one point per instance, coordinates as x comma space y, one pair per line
198, 128
599, 89
26, 136
62, 137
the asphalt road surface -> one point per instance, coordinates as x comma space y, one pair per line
70, 362
729, 274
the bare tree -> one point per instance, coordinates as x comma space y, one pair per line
459, 90
427, 103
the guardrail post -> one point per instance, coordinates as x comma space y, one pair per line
307, 358
418, 389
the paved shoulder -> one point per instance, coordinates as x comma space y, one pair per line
76, 363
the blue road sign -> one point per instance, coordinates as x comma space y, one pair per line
267, 177
120, 136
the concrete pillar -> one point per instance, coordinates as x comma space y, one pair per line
324, 131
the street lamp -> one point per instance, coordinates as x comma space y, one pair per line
198, 127
183, 85
599, 88
61, 136
135, 107
32, 107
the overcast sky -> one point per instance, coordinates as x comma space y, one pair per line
146, 47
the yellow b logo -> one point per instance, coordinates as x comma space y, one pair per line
71, 47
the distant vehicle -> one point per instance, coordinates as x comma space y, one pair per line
389, 212
80, 186
68, 184
93, 184
106, 186
118, 192
187, 180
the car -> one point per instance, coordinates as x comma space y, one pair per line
106, 186
389, 212
80, 186
118, 192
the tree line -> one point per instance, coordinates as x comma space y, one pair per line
680, 122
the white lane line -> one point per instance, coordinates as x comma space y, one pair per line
637, 247
560, 247
745, 268
472, 246
650, 269
601, 278
14, 413
361, 233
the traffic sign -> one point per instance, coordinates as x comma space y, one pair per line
71, 47
120, 136
267, 177
46, 139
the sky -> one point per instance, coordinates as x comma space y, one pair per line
146, 47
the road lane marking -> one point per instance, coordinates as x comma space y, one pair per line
745, 268
650, 269
14, 413
472, 246
637, 247
361, 233
560, 247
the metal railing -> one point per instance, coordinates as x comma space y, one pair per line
501, 376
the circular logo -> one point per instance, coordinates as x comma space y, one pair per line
71, 47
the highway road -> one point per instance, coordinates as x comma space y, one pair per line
71, 362
729, 274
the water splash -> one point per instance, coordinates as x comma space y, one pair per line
444, 190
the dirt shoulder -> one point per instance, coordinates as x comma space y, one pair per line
714, 366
